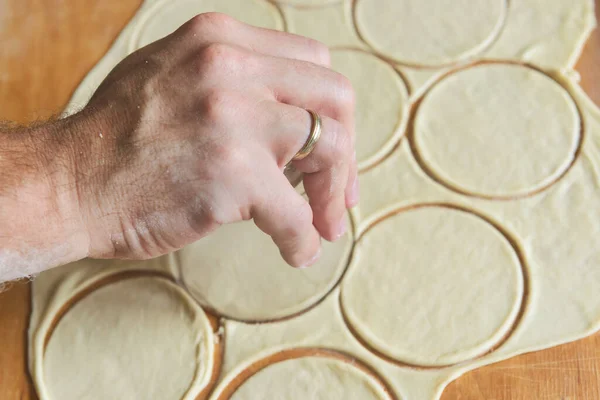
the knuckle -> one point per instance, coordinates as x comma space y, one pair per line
235, 158
219, 58
304, 213
210, 22
217, 18
217, 104
298, 220
212, 214
216, 55
231, 157
196, 24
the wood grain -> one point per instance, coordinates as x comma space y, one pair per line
46, 48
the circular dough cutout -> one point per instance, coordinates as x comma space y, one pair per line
138, 338
497, 130
237, 271
381, 103
429, 32
169, 15
432, 286
310, 378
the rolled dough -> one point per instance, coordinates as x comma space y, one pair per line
426, 285
497, 130
110, 346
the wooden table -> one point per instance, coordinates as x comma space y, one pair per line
46, 48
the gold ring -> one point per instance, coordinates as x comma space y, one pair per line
313, 138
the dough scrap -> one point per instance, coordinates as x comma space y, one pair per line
429, 32
457, 270
497, 130
314, 378
547, 33
109, 346
238, 272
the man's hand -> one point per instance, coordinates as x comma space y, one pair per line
193, 131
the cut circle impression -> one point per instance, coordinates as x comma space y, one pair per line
111, 344
238, 272
433, 286
168, 15
429, 32
311, 377
497, 131
381, 102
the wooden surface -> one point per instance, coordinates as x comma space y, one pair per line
46, 48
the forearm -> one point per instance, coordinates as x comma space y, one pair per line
39, 226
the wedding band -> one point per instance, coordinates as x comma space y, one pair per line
313, 138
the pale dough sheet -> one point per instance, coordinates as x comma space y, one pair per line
476, 236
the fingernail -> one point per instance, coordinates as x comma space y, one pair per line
343, 227
354, 194
313, 260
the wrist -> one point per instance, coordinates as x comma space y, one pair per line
39, 206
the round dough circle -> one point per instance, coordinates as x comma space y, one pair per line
169, 15
381, 103
497, 130
115, 342
429, 32
310, 378
238, 272
432, 286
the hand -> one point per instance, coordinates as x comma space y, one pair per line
194, 130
